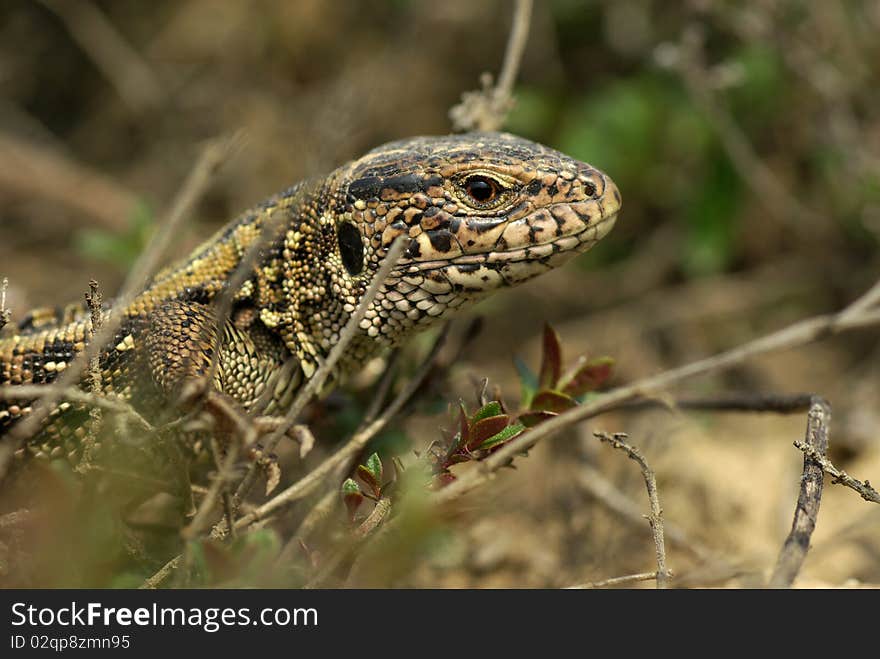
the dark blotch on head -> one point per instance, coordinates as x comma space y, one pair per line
404, 183
440, 240
365, 188
534, 188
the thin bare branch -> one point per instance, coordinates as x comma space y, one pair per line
162, 575
487, 108
656, 517
39, 171
796, 545
119, 62
618, 581
746, 401
839, 476
4, 312
75, 395
94, 301
364, 531
768, 189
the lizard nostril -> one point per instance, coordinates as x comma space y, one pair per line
590, 188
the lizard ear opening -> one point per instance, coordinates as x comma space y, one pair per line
351, 247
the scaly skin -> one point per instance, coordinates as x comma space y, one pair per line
482, 211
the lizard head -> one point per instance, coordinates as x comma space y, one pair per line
480, 211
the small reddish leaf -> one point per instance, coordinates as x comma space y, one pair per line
463, 432
529, 419
551, 360
485, 428
552, 401
589, 376
370, 479
505, 435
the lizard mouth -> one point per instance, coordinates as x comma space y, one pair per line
422, 291
490, 269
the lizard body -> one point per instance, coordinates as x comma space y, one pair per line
481, 211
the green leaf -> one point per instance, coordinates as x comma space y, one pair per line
350, 487
505, 435
489, 409
551, 359
374, 466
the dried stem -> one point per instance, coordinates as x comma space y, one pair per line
93, 301
164, 572
594, 483
746, 401
38, 171
767, 187
128, 72
619, 581
656, 516
839, 476
4, 312
796, 545
364, 531
487, 108
75, 395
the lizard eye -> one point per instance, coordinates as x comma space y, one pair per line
481, 189
351, 247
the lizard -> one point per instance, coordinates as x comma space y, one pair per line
480, 212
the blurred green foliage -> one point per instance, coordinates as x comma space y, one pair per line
120, 249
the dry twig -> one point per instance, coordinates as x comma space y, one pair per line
128, 72
619, 581
796, 545
4, 312
93, 301
39, 171
839, 476
360, 535
487, 108
656, 517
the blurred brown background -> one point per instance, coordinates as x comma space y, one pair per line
745, 138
